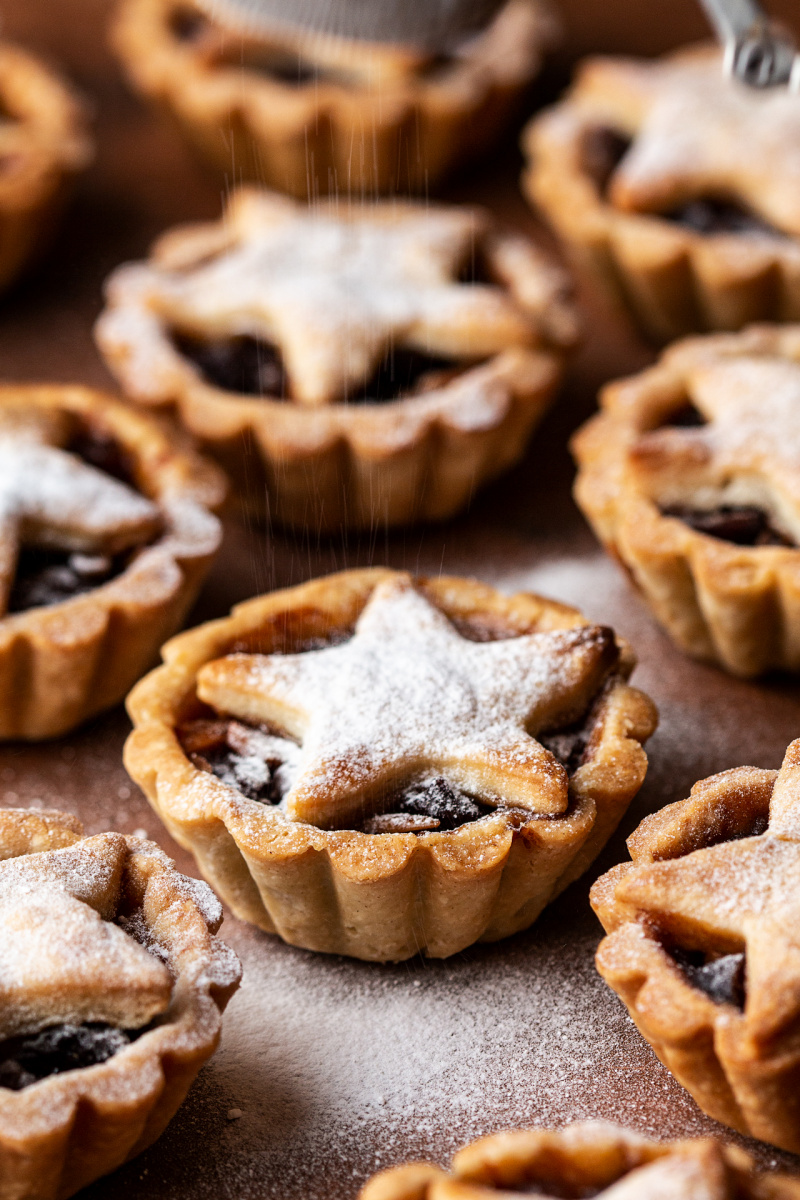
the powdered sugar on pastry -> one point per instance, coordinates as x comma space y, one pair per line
61, 958
408, 695
333, 290
702, 134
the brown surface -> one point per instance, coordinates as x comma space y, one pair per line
340, 1067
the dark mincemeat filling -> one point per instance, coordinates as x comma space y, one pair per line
187, 24
230, 750
253, 367
685, 417
743, 525
46, 576
721, 979
603, 150
26, 1060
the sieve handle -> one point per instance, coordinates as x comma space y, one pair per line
758, 51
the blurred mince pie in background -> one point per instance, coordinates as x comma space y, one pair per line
677, 188
592, 1158
106, 535
44, 143
703, 946
313, 113
442, 758
690, 476
112, 986
349, 365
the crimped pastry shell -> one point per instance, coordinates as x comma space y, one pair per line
61, 1133
380, 897
63, 663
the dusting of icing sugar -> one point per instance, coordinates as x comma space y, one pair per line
408, 695
331, 292
61, 957
695, 126
680, 1176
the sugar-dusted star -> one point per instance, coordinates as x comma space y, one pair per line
738, 896
697, 133
62, 959
52, 499
749, 450
408, 695
334, 288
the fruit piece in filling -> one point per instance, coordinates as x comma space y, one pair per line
721, 979
744, 525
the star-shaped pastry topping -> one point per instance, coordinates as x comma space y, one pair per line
407, 695
747, 453
52, 499
739, 895
697, 134
61, 958
333, 288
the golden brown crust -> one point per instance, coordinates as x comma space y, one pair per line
124, 1103
670, 278
735, 605
319, 462
479, 882
43, 145
385, 119
741, 1065
61, 663
584, 1159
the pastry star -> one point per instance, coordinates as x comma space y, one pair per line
407, 695
739, 895
61, 958
50, 498
334, 291
701, 134
748, 452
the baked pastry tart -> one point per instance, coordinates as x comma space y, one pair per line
111, 994
44, 143
310, 114
378, 766
703, 946
592, 1158
106, 534
333, 360
689, 476
678, 188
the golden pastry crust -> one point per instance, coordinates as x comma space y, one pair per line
705, 880
63, 662
592, 1158
62, 1132
679, 112
734, 604
44, 142
374, 280
396, 893
339, 116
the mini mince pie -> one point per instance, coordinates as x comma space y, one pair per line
378, 766
690, 476
43, 144
678, 187
704, 949
105, 539
333, 360
592, 1158
314, 114
112, 986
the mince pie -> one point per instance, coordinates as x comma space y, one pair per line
333, 359
679, 189
592, 1158
313, 114
44, 143
441, 759
112, 986
106, 535
690, 476
703, 945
